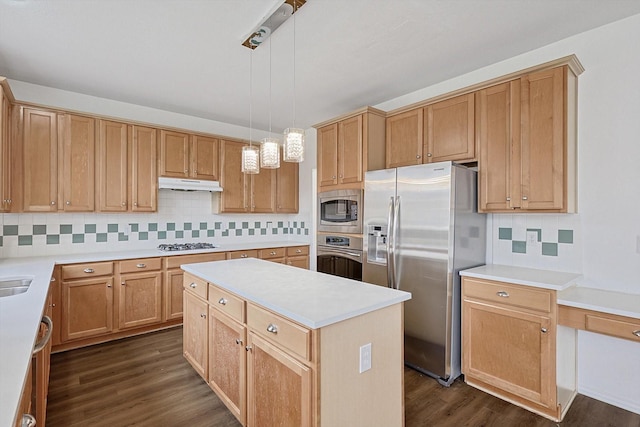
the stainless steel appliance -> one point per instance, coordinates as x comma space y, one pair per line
340, 255
422, 228
340, 211
185, 246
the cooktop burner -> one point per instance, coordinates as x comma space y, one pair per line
185, 246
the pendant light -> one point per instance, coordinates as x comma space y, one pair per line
250, 154
270, 147
293, 148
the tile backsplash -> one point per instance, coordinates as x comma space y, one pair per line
182, 217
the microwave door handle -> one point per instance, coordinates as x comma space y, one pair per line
396, 216
390, 236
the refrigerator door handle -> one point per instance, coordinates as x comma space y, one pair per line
396, 215
390, 266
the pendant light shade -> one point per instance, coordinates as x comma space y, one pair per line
270, 153
250, 159
293, 149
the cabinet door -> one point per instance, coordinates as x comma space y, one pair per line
276, 381
112, 167
234, 197
498, 138
5, 152
328, 155
173, 294
450, 133
405, 138
40, 161
78, 146
228, 362
194, 333
287, 188
143, 175
87, 308
511, 350
350, 150
263, 191
174, 154
543, 140
140, 299
41, 364
204, 158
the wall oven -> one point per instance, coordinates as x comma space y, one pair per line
340, 255
340, 211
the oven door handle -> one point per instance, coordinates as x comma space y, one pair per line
353, 255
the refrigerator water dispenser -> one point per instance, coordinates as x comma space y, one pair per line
377, 244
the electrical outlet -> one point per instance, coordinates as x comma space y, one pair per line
365, 357
638, 244
532, 237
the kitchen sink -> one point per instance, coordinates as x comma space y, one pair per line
14, 286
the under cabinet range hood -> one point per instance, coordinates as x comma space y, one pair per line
188, 184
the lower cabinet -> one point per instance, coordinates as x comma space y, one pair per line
298, 256
87, 308
194, 332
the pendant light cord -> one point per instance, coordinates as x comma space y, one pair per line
250, 96
270, 88
294, 63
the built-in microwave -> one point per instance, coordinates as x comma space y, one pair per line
340, 211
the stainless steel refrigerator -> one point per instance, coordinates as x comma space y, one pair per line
421, 228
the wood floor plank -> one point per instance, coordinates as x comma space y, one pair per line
145, 381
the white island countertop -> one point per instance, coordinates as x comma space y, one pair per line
310, 298
546, 279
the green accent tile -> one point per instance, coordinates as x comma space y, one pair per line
1, 241
66, 229
295, 224
302, 224
550, 249
171, 226
245, 225
143, 235
504, 233
211, 233
286, 231
263, 231
162, 235
232, 225
123, 237
195, 233
101, 237
112, 228
565, 236
537, 230
217, 226
25, 240
179, 234
274, 231
238, 232
77, 238
187, 226
39, 230
518, 247
252, 232
10, 230
153, 226
203, 226
53, 239
306, 231
256, 224
134, 227
280, 224
225, 233
89, 228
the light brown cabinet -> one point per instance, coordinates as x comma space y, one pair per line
140, 292
287, 198
184, 155
298, 256
526, 135
77, 154
348, 147
195, 329
142, 169
405, 136
5, 151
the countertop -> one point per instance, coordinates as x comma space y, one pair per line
622, 304
310, 298
546, 279
20, 315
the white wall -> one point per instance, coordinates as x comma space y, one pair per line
607, 225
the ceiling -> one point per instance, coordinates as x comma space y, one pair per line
186, 56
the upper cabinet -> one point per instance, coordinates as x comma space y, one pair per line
5, 150
142, 169
183, 155
405, 137
527, 142
287, 186
77, 136
348, 147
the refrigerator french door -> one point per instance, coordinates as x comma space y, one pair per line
421, 228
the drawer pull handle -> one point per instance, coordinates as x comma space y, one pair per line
244, 256
272, 328
272, 253
88, 270
193, 286
543, 330
238, 341
298, 251
141, 265
222, 301
503, 294
636, 333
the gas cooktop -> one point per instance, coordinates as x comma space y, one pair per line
185, 246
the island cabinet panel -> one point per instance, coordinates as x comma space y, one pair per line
195, 340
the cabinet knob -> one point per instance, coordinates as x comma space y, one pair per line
53, 279
195, 172
503, 294
508, 199
636, 333
543, 330
135, 203
124, 203
108, 285
272, 253
334, 177
186, 171
193, 286
238, 341
289, 263
222, 301
298, 251
418, 156
53, 202
122, 283
89, 270
141, 265
524, 197
204, 316
428, 154
272, 328
248, 348
68, 203
28, 420
244, 256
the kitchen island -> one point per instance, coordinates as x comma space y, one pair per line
286, 346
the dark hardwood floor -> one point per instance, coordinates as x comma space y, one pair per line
145, 381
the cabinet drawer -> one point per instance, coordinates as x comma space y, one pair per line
298, 251
508, 294
279, 330
195, 285
82, 271
270, 253
178, 260
227, 303
629, 330
243, 254
138, 265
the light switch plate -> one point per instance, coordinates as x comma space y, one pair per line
365, 357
